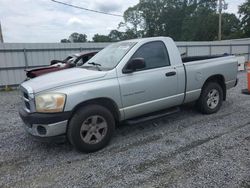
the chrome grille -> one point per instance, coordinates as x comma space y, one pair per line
27, 105
25, 95
26, 99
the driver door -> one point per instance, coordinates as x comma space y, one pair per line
153, 87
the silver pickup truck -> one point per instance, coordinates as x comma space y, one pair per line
124, 81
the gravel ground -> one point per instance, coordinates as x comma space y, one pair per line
186, 149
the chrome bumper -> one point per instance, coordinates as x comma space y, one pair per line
47, 130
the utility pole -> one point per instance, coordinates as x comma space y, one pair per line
222, 5
220, 17
1, 34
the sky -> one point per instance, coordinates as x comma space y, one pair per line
46, 21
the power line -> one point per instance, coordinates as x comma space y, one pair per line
96, 11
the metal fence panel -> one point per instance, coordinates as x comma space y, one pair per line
194, 51
215, 50
241, 50
16, 57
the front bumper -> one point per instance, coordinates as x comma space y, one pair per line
45, 125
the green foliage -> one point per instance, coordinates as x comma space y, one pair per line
134, 16
75, 37
244, 11
115, 36
65, 41
180, 19
231, 26
101, 38
186, 20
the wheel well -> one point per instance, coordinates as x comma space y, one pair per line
105, 102
220, 80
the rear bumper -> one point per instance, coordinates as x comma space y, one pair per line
45, 125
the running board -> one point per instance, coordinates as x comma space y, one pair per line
152, 116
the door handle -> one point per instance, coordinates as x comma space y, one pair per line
170, 73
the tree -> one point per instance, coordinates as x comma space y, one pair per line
179, 19
230, 26
131, 34
244, 11
77, 37
101, 38
200, 25
65, 41
116, 35
189, 20
134, 16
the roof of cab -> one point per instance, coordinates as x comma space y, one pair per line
146, 39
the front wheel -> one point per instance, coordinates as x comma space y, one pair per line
210, 99
91, 128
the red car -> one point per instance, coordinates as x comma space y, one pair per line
71, 61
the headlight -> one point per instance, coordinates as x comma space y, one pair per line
50, 102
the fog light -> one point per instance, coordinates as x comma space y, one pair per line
41, 130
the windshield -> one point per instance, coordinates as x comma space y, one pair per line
110, 56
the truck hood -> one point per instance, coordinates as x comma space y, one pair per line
62, 78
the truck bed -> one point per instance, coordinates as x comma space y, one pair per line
199, 58
200, 68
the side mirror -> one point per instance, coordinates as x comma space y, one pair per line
134, 64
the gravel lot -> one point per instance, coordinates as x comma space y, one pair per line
186, 149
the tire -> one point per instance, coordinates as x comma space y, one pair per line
91, 128
210, 105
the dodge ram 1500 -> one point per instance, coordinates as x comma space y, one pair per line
126, 80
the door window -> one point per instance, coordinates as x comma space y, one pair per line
154, 53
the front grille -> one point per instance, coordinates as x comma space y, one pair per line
25, 99
27, 105
25, 95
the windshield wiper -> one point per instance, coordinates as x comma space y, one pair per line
97, 65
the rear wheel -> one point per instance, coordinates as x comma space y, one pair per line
91, 128
210, 99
